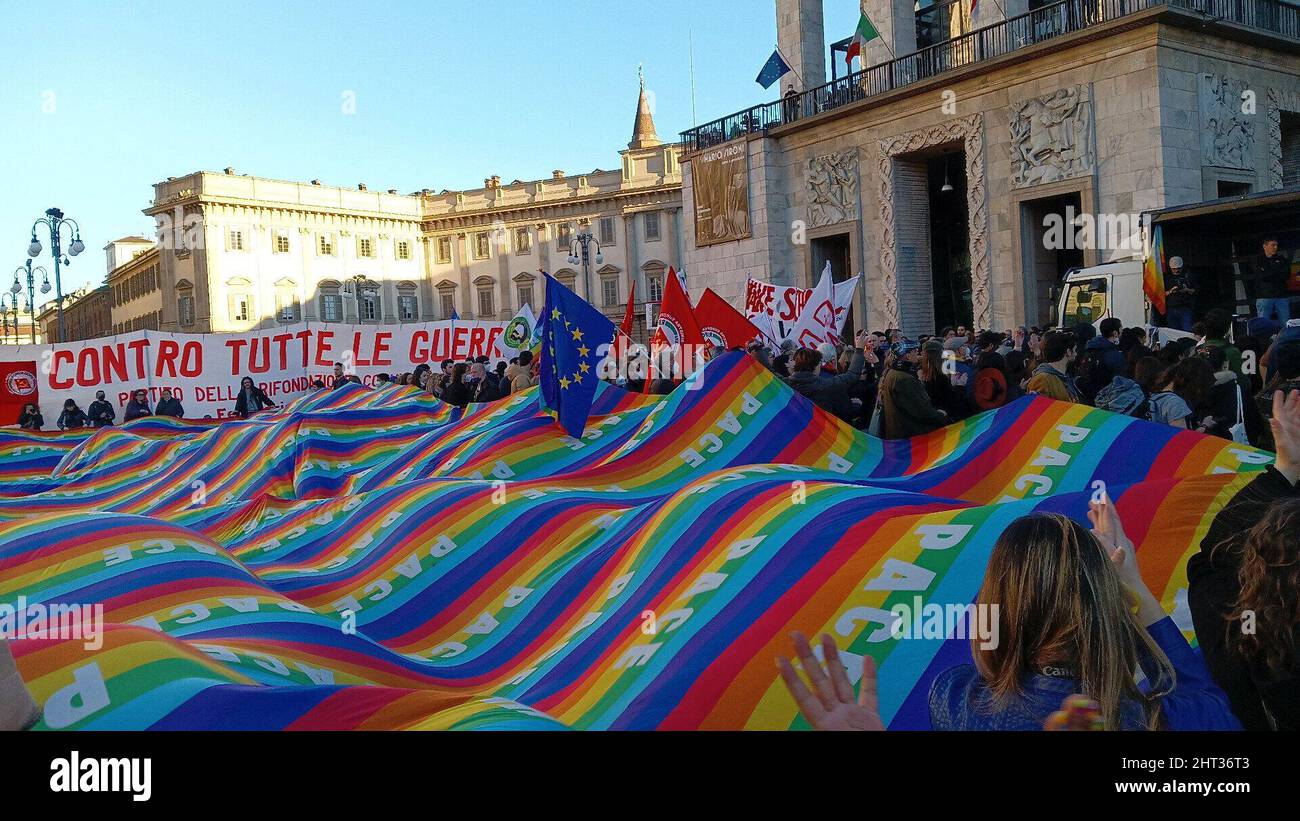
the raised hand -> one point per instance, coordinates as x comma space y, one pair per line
1108, 529
1286, 434
830, 704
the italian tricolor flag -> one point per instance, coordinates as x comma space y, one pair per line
865, 34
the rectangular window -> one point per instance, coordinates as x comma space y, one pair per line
482, 245
331, 307
443, 254
365, 247
403, 249
523, 241
406, 307
236, 242
185, 307
448, 300
563, 237
651, 225
609, 291
281, 243
656, 284
485, 307
325, 245
526, 296
369, 307
239, 308
607, 231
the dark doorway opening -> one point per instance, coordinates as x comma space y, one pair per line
1047, 229
1229, 188
949, 241
836, 250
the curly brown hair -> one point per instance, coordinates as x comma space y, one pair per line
1269, 574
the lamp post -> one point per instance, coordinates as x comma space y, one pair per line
31, 289
54, 221
17, 337
579, 252
360, 287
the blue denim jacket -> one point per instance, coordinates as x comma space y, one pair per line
959, 699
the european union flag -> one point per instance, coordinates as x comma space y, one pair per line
574, 335
773, 70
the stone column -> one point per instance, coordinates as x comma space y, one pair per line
633, 262
801, 34
466, 310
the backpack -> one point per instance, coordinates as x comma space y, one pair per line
1124, 396
1091, 375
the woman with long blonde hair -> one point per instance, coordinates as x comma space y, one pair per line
1076, 617
1073, 616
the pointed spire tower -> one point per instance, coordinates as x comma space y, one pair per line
643, 130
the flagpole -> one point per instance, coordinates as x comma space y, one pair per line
691, 53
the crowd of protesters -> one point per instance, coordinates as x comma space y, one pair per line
1079, 626
897, 387
1086, 636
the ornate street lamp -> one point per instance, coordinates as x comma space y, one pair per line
31, 289
579, 252
54, 221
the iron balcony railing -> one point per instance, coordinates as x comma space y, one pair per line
1040, 25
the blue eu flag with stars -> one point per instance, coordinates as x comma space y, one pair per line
575, 337
773, 70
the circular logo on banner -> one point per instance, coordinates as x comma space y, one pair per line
714, 336
672, 329
21, 383
517, 333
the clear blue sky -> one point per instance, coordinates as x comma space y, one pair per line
447, 93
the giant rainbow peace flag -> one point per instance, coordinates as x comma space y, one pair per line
376, 559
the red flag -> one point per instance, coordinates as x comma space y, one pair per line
626, 327
677, 325
721, 324
18, 386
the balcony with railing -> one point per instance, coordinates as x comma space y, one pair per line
1049, 22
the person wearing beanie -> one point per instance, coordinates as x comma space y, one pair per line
829, 392
905, 406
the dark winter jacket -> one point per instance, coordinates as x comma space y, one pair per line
101, 413
250, 401
72, 419
830, 393
905, 406
1261, 700
134, 410
170, 407
1105, 362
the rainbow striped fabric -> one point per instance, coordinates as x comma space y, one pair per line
376, 559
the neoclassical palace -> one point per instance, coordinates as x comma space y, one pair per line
239, 252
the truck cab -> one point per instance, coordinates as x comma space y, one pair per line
1096, 292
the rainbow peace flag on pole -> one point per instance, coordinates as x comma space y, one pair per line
376, 559
1153, 271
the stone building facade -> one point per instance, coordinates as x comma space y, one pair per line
1098, 110
240, 252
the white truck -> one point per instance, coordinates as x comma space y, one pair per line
1218, 240
1100, 291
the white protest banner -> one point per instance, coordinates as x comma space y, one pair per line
817, 322
204, 370
782, 303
